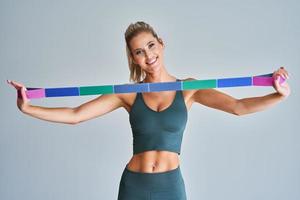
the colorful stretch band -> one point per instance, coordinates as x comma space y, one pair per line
261, 80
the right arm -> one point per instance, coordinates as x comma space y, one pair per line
94, 108
89, 110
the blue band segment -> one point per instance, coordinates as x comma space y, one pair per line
164, 86
128, 88
60, 92
234, 82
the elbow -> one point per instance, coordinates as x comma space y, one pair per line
238, 109
75, 119
73, 123
237, 113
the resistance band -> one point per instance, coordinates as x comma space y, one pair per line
261, 80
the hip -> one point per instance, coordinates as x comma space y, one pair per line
167, 185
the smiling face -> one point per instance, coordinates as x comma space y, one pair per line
147, 52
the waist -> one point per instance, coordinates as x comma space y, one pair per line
153, 161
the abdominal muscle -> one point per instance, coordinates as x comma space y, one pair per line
153, 161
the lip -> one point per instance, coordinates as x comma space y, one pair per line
155, 60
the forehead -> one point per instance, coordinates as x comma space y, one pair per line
141, 40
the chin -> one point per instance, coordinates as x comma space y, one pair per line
153, 69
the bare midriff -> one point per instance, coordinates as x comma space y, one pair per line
153, 161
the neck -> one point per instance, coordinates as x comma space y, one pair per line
159, 76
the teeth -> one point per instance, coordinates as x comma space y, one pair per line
152, 61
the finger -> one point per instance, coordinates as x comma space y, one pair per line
282, 73
17, 85
19, 94
285, 75
14, 85
9, 82
23, 93
274, 74
285, 71
276, 82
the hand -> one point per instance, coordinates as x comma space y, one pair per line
283, 88
22, 100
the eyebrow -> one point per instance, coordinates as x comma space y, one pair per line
147, 44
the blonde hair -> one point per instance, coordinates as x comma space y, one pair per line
136, 72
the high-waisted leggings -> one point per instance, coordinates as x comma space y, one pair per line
167, 185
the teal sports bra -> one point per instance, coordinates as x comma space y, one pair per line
154, 130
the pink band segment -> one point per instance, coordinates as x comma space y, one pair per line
33, 94
265, 81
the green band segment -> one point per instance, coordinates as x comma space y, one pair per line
199, 84
91, 90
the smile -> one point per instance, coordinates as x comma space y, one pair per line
152, 61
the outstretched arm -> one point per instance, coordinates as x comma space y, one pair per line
94, 108
221, 101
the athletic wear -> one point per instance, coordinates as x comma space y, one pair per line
155, 131
162, 130
152, 186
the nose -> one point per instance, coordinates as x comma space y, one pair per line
148, 54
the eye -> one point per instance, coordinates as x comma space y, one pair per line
151, 45
138, 52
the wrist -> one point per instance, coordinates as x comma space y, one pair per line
281, 96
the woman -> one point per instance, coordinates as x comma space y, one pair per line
157, 119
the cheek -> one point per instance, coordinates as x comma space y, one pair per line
138, 59
160, 54
160, 50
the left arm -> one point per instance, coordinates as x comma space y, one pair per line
221, 101
256, 104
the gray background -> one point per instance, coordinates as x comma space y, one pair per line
71, 43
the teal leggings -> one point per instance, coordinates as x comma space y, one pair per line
167, 185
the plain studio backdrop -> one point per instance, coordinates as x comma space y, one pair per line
80, 43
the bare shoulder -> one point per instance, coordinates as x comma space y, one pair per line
188, 94
127, 99
193, 91
189, 79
